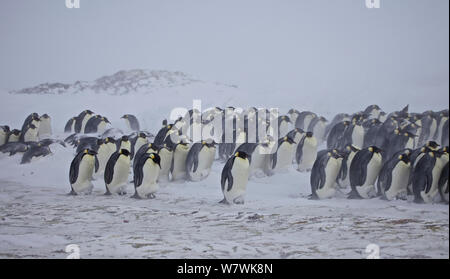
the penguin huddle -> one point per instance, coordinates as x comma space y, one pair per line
32, 141
391, 156
369, 153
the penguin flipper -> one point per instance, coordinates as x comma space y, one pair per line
97, 164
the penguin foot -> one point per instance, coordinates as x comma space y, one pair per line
354, 195
224, 201
136, 196
108, 193
72, 193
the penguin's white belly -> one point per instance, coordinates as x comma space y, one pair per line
149, 185
125, 145
399, 183
375, 113
31, 135
101, 127
358, 136
139, 143
103, 155
410, 143
179, 164
45, 128
309, 155
166, 161
440, 129
84, 121
367, 190
436, 173
2, 137
306, 121
203, 167
259, 160
240, 172
284, 156
13, 138
433, 128
83, 183
120, 177
331, 172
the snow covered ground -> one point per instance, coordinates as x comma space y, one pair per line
38, 219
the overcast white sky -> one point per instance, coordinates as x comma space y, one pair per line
277, 45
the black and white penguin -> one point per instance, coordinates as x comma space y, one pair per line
145, 149
281, 159
393, 178
131, 122
117, 171
4, 134
34, 151
125, 143
162, 134
86, 143
70, 125
426, 176
14, 135
324, 174
145, 174
343, 179
318, 126
234, 178
199, 160
139, 140
178, 166
306, 152
165, 152
33, 118
364, 170
105, 148
96, 124
259, 154
81, 120
45, 126
303, 119
443, 184
29, 134
81, 170
293, 114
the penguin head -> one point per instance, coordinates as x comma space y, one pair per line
346, 123
125, 116
124, 152
404, 158
444, 149
241, 155
432, 145
89, 152
45, 116
124, 138
351, 148
106, 120
374, 149
309, 134
155, 158
88, 111
142, 135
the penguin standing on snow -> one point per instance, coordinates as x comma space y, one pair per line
306, 152
81, 170
199, 160
96, 124
132, 122
343, 179
116, 172
81, 120
14, 136
178, 167
146, 174
426, 174
282, 158
323, 175
364, 170
234, 178
29, 134
165, 153
125, 143
393, 179
105, 148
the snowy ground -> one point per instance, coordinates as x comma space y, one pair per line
38, 219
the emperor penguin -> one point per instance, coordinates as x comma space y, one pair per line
364, 170
82, 119
81, 171
131, 122
165, 152
145, 175
116, 172
178, 167
147, 148
14, 136
443, 184
260, 155
45, 126
293, 114
70, 125
283, 125
306, 152
33, 118
4, 133
324, 174
162, 134
234, 178
318, 126
382, 116
138, 141
343, 179
105, 148
37, 150
29, 134
426, 176
96, 124
357, 135
281, 159
303, 119
442, 117
393, 179
199, 160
